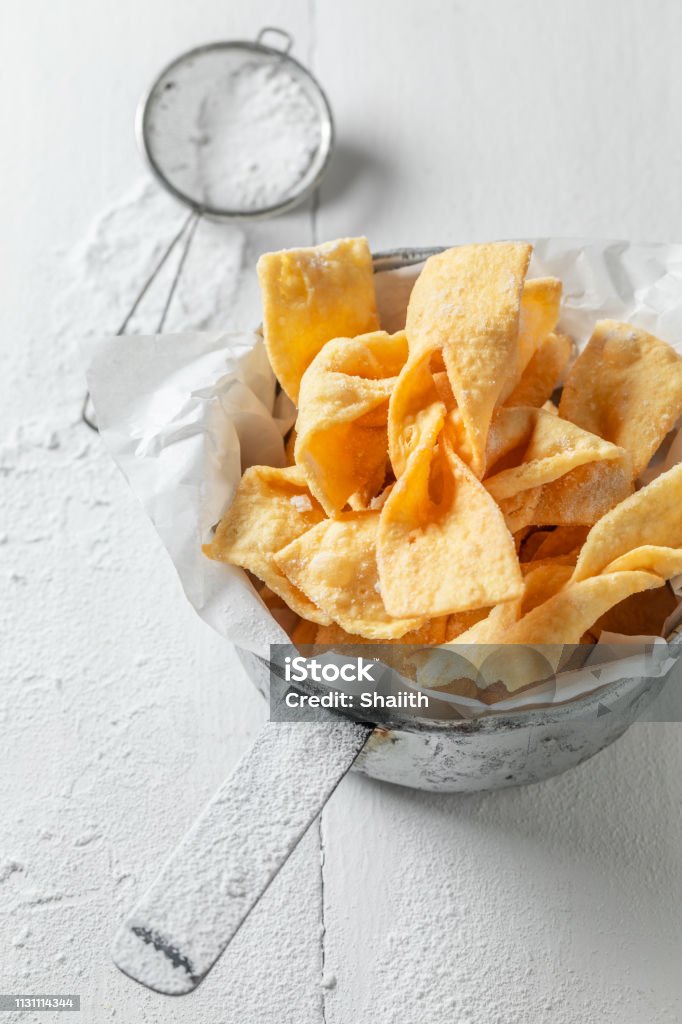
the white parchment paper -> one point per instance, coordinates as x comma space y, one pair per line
183, 415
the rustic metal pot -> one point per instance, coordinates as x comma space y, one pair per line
497, 750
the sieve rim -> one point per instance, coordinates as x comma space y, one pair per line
327, 132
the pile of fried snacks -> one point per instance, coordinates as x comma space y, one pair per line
439, 489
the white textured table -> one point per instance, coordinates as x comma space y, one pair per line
120, 711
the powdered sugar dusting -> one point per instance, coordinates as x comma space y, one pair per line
301, 502
234, 132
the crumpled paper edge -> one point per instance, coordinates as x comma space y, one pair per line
182, 415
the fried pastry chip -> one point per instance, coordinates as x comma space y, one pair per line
665, 562
554, 612
304, 632
643, 614
529, 540
549, 447
563, 541
431, 632
540, 306
519, 509
342, 441
335, 565
544, 580
406, 650
566, 616
271, 508
289, 446
543, 372
461, 621
650, 516
416, 411
541, 582
585, 494
579, 498
443, 543
310, 296
272, 601
489, 630
625, 386
466, 303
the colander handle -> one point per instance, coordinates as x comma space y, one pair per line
227, 860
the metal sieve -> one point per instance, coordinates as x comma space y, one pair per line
186, 122
205, 128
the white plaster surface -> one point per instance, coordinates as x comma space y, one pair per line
120, 711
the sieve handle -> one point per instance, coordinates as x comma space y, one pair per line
282, 33
227, 860
187, 229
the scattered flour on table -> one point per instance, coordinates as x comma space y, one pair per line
9, 867
108, 752
104, 273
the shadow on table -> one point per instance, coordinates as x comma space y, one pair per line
353, 168
627, 790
